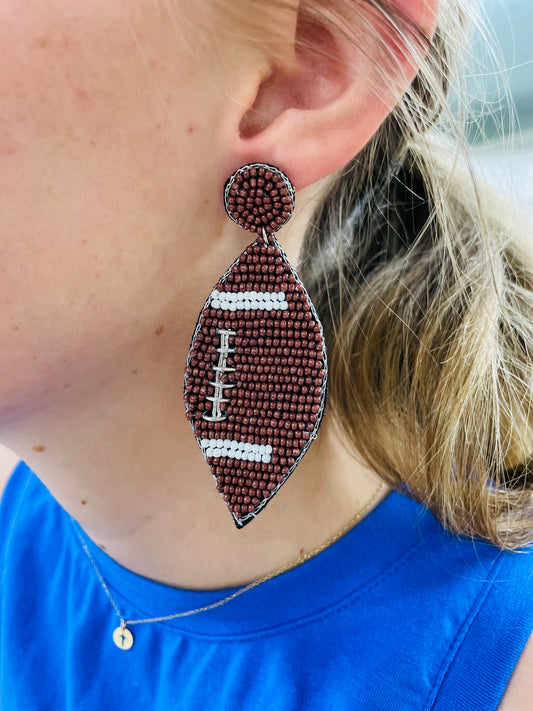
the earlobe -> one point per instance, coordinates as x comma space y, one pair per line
311, 118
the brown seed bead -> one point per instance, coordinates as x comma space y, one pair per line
279, 385
254, 198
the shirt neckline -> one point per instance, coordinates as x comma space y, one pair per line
367, 551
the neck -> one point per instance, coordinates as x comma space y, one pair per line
121, 458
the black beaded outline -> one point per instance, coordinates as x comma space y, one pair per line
267, 166
240, 522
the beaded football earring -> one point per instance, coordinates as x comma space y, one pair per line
256, 375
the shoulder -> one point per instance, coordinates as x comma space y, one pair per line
493, 613
519, 691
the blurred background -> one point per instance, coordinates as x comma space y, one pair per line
499, 86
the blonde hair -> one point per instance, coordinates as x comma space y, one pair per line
424, 284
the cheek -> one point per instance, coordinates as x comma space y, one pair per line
98, 120
87, 125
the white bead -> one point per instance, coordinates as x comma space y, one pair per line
254, 305
255, 448
265, 458
232, 306
257, 457
268, 449
227, 443
284, 306
215, 304
247, 446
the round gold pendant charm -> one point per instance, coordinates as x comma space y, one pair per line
123, 638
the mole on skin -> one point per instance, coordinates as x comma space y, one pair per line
81, 94
83, 502
159, 331
38, 448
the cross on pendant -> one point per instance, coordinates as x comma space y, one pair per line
123, 638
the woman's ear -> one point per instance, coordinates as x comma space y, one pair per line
315, 111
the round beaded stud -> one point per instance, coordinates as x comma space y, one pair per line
259, 196
255, 385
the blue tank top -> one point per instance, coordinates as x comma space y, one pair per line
397, 614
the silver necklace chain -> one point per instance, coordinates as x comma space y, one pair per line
122, 635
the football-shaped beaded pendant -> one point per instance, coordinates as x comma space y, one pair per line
256, 375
